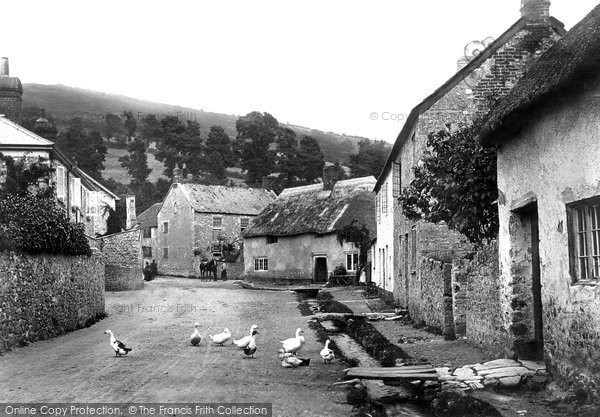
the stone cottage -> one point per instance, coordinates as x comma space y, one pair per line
412, 260
294, 238
85, 199
547, 131
195, 221
148, 222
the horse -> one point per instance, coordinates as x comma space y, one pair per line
208, 268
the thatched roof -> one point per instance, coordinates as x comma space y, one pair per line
226, 200
311, 209
564, 68
413, 118
149, 217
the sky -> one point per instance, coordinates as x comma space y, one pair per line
326, 64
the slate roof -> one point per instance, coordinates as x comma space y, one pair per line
226, 200
563, 68
14, 136
310, 209
413, 117
149, 217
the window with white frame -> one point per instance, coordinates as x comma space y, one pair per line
261, 264
396, 180
351, 261
384, 198
584, 240
61, 190
76, 192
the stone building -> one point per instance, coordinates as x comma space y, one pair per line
148, 222
548, 135
11, 93
411, 258
195, 221
294, 238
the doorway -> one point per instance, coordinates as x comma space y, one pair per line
525, 271
320, 273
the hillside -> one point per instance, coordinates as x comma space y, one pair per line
64, 102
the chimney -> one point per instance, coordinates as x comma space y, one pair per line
177, 176
4, 66
536, 12
130, 210
329, 178
11, 91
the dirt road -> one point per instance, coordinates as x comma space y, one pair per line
164, 367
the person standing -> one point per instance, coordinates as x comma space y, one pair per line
154, 269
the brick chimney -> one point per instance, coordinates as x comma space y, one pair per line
177, 176
11, 92
536, 12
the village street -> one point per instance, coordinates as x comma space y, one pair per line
164, 367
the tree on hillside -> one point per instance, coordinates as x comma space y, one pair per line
310, 159
113, 127
136, 162
150, 129
455, 164
256, 133
86, 149
286, 162
219, 142
336, 171
370, 158
181, 146
130, 125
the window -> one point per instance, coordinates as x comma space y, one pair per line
217, 236
351, 261
396, 180
384, 198
147, 251
174, 207
377, 201
165, 227
261, 264
584, 240
244, 223
166, 253
76, 192
147, 232
319, 235
60, 182
272, 239
413, 249
217, 222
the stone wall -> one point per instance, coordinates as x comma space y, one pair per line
478, 279
123, 257
42, 296
430, 296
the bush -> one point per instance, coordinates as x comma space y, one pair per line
340, 270
36, 224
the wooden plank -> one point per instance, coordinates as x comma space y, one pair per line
390, 373
398, 369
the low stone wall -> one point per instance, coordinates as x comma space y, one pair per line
484, 317
42, 296
123, 257
430, 296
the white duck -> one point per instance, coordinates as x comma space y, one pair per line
222, 337
293, 344
196, 337
243, 342
326, 353
119, 347
288, 360
251, 348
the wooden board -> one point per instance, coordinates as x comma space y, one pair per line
401, 372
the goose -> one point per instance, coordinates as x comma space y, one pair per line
293, 344
288, 360
243, 342
196, 338
251, 348
222, 337
326, 353
119, 347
